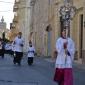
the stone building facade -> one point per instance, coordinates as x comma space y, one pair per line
47, 26
39, 20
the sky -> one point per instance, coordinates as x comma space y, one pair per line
6, 10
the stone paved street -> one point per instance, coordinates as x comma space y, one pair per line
40, 73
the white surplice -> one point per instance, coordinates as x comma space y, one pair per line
17, 44
63, 60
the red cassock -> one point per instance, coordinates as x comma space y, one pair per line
59, 76
63, 76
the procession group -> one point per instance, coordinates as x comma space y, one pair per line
15, 49
65, 50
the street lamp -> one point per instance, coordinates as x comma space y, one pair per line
67, 12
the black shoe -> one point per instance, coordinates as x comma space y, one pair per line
14, 62
19, 64
29, 64
2, 57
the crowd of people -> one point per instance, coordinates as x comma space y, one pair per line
15, 49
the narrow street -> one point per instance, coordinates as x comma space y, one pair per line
40, 73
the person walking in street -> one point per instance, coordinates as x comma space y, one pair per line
31, 52
1, 49
18, 44
65, 49
8, 48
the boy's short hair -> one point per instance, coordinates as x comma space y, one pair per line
20, 33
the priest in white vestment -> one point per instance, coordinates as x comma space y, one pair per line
65, 49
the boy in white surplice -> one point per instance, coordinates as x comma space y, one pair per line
18, 44
31, 52
65, 49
